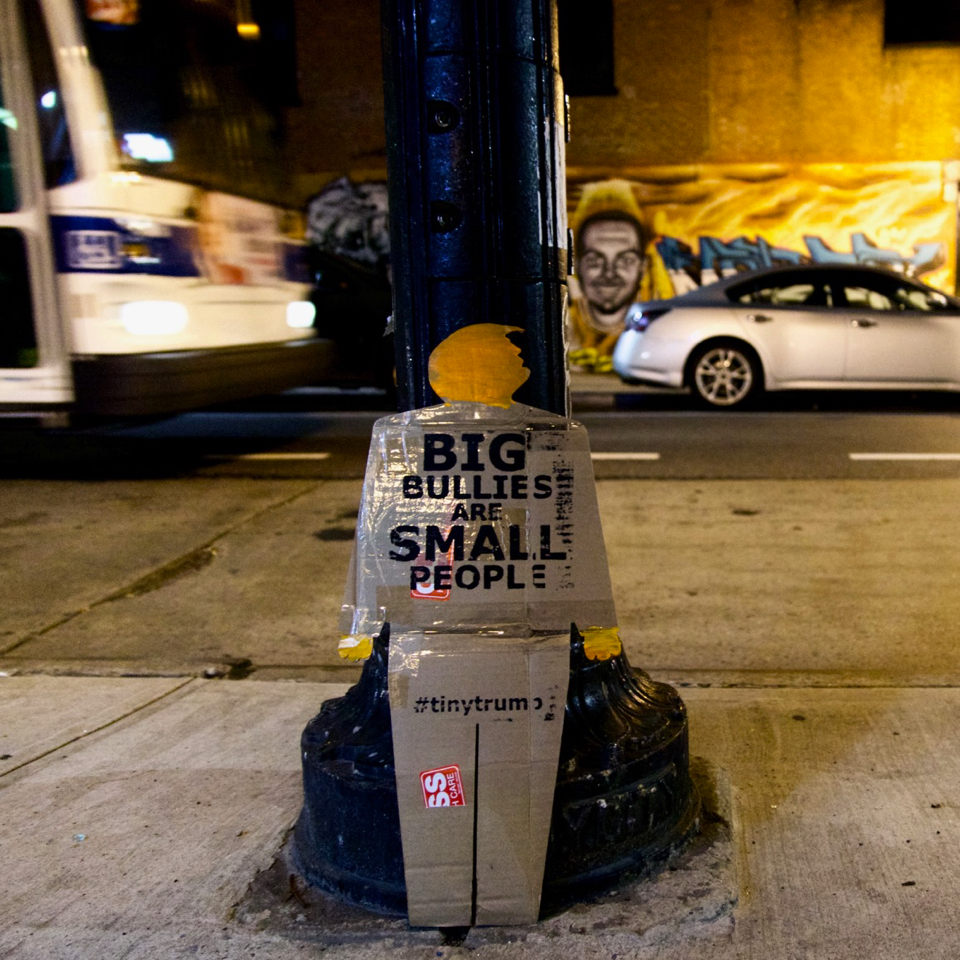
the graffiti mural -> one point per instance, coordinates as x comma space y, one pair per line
694, 225
719, 258
349, 262
667, 230
350, 219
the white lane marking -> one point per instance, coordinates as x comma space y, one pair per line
904, 456
624, 456
274, 456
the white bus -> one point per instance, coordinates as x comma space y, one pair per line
147, 263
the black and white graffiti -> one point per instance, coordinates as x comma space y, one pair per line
350, 219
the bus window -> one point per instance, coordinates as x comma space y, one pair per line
8, 184
51, 116
189, 98
18, 344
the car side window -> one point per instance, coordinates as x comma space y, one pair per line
914, 298
865, 297
786, 295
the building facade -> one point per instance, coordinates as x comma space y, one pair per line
725, 135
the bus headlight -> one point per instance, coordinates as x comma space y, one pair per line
301, 313
152, 318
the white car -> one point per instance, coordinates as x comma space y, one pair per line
794, 328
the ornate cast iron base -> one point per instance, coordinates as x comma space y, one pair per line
623, 800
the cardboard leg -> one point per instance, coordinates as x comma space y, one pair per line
477, 724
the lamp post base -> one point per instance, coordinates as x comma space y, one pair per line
623, 800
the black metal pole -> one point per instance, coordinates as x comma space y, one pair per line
475, 146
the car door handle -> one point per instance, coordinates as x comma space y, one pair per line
861, 322
758, 318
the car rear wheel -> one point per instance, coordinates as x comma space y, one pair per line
725, 374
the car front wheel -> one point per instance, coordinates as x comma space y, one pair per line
724, 374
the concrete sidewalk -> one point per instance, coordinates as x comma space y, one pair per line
762, 582
138, 812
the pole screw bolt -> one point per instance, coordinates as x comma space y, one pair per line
444, 216
442, 116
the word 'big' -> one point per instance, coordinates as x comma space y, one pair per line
506, 452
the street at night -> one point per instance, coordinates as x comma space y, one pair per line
479, 480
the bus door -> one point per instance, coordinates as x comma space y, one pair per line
34, 363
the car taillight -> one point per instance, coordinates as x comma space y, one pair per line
639, 319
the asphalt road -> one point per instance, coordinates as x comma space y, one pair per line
633, 436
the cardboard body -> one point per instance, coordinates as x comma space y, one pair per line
479, 541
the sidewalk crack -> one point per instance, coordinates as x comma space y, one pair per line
103, 726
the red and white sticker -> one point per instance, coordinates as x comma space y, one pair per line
434, 587
442, 787
428, 590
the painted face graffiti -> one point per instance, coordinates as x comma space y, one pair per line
610, 267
